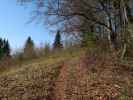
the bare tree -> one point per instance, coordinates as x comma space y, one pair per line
77, 16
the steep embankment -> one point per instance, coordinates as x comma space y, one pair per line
72, 78
94, 78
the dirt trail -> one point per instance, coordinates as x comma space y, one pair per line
72, 75
59, 89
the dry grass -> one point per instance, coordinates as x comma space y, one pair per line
50, 58
94, 78
68, 76
33, 80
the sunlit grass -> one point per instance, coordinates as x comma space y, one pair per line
35, 78
49, 59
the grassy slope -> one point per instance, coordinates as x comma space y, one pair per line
34, 79
97, 78
101, 79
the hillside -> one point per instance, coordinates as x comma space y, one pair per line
71, 76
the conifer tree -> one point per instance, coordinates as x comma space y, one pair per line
57, 43
29, 49
1, 48
6, 48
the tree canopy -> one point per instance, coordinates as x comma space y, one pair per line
107, 19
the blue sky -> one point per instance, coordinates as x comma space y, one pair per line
14, 27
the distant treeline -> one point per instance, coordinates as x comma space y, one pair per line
4, 48
30, 51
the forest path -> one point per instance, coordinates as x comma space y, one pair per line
71, 81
